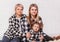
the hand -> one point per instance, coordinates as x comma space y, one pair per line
56, 37
33, 41
28, 35
41, 38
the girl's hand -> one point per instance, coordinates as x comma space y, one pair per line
28, 35
41, 38
33, 41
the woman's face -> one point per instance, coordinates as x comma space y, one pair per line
35, 27
19, 10
33, 11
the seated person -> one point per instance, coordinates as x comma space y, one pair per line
57, 37
36, 35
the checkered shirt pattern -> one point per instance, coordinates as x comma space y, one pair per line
34, 36
13, 29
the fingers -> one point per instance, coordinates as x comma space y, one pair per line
28, 35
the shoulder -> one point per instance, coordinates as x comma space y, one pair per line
39, 17
31, 31
12, 17
27, 17
40, 20
23, 15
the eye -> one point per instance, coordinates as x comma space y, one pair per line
35, 9
32, 9
21, 9
18, 9
34, 26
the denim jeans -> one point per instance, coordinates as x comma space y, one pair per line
5, 39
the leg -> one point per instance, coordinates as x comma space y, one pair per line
5, 39
15, 39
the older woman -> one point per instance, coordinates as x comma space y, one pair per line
18, 26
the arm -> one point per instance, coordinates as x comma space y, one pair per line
41, 24
8, 33
25, 26
47, 37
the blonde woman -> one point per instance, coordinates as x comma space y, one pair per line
33, 17
18, 25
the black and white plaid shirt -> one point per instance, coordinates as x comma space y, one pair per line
13, 29
34, 36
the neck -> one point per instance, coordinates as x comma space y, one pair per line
35, 31
34, 17
18, 16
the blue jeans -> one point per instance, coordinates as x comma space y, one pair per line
5, 39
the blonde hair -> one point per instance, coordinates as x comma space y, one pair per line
33, 5
36, 17
19, 5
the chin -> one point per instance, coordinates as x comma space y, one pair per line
34, 14
20, 14
36, 31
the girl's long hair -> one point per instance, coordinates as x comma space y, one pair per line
32, 5
36, 16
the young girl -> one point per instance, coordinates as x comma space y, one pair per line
36, 35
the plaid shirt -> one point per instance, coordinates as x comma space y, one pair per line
13, 29
34, 36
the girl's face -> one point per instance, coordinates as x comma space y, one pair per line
33, 11
35, 27
19, 10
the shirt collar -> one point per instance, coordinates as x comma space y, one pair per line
23, 15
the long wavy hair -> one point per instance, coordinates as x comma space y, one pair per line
33, 5
36, 16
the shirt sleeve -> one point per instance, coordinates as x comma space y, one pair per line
25, 26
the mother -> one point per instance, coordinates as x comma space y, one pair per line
33, 17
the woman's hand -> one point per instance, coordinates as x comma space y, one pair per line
56, 37
28, 35
41, 38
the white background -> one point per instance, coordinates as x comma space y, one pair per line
49, 10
